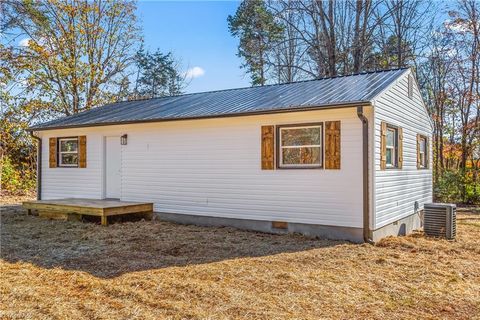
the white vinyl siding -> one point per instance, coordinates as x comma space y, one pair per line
213, 168
396, 190
73, 182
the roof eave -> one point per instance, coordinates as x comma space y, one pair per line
240, 114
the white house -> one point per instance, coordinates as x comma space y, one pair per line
343, 158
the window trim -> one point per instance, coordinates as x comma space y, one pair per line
299, 125
420, 165
395, 148
59, 152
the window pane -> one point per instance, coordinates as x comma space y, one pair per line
68, 145
300, 156
291, 156
422, 145
390, 137
300, 136
69, 158
390, 156
422, 159
310, 155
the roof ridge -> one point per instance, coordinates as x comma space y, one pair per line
267, 85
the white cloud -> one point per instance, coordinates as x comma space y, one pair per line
457, 26
451, 52
23, 82
194, 72
24, 42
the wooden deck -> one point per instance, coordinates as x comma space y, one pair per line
66, 208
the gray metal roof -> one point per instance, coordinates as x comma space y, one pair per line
305, 95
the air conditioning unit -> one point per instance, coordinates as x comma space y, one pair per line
440, 220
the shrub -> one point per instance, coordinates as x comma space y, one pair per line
16, 180
449, 187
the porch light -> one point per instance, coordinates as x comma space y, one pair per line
123, 140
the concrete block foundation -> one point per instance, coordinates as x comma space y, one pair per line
401, 227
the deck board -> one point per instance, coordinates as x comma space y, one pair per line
93, 207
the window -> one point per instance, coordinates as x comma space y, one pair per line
392, 147
68, 152
300, 146
422, 152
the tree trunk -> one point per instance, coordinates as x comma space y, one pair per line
332, 58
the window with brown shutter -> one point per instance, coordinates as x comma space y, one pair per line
427, 153
383, 146
68, 152
400, 148
391, 147
52, 152
422, 152
332, 145
268, 147
82, 151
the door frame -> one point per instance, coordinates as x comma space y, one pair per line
104, 167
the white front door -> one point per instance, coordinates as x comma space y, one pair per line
113, 167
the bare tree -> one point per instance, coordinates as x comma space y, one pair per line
434, 73
464, 30
74, 53
403, 25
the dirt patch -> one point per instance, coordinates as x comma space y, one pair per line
154, 269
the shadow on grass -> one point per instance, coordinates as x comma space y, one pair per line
133, 246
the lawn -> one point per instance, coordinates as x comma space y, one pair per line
156, 270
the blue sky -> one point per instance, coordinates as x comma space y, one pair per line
197, 33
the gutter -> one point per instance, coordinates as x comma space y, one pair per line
366, 200
39, 165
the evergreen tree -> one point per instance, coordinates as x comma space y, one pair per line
158, 75
257, 30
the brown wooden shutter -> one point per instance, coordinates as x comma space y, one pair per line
52, 152
418, 151
427, 153
383, 146
332, 145
400, 148
82, 151
268, 147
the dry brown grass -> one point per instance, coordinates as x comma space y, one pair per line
157, 270
9, 199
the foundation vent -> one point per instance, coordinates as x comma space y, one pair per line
440, 220
279, 225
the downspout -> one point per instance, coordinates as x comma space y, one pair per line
366, 199
39, 165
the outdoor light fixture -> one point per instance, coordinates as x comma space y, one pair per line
123, 140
